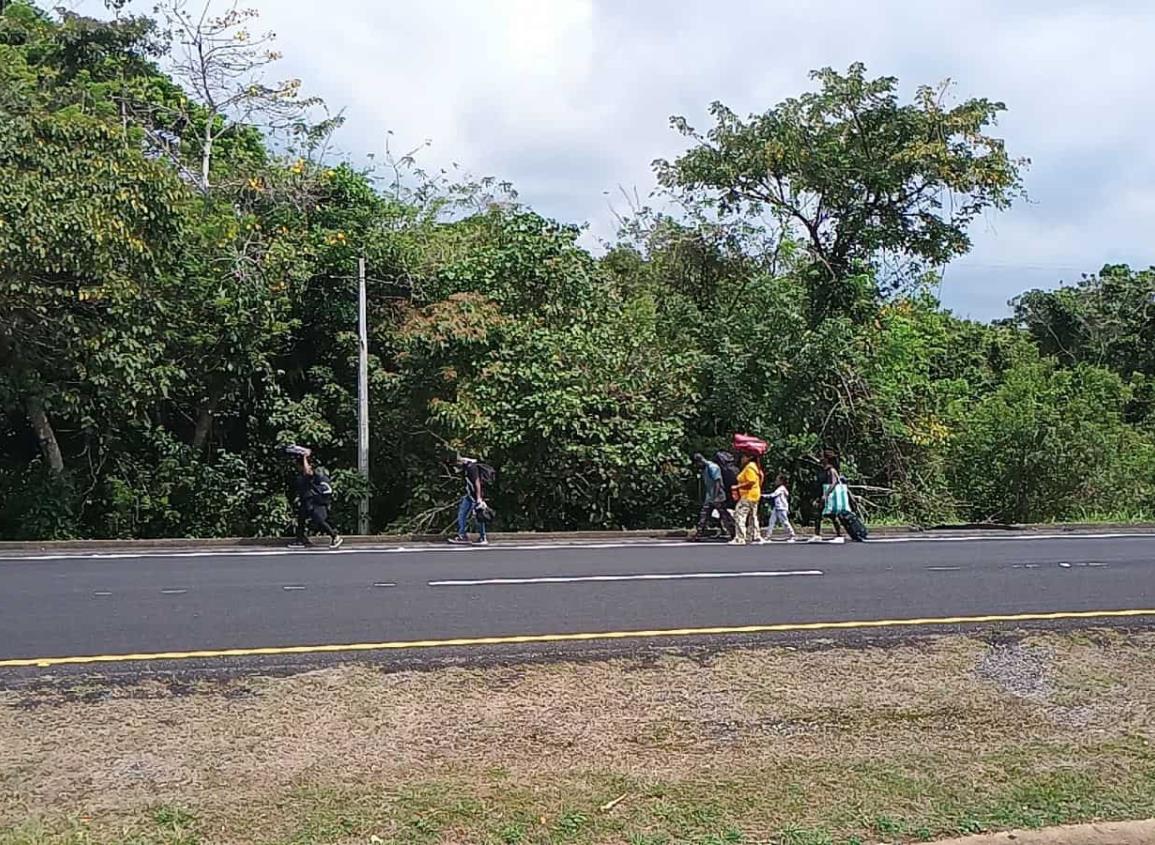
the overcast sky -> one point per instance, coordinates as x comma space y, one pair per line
570, 99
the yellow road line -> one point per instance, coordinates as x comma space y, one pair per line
567, 638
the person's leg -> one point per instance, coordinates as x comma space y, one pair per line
319, 516
779, 517
302, 524
740, 522
753, 532
464, 509
726, 517
704, 517
773, 522
481, 528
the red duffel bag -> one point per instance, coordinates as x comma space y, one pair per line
750, 445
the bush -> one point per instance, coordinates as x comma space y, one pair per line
1050, 444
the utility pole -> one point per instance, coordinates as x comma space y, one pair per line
362, 397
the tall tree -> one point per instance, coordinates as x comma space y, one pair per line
97, 220
221, 64
868, 183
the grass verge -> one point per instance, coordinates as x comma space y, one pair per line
823, 746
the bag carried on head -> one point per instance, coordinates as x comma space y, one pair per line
750, 445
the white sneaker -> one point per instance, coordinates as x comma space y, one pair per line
735, 543
791, 540
814, 539
483, 542
836, 540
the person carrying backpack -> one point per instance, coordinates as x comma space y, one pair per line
715, 497
477, 475
314, 494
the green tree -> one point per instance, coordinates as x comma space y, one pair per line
867, 183
87, 223
1106, 319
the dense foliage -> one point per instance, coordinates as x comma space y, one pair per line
178, 299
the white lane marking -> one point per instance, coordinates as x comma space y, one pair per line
102, 593
173, 592
434, 548
577, 579
944, 568
293, 587
384, 584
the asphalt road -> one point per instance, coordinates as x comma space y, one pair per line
170, 606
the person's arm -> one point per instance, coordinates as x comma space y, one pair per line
306, 467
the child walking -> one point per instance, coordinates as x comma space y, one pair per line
780, 514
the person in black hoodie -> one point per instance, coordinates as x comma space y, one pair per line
313, 493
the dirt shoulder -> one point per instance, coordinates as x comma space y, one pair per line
1122, 833
820, 746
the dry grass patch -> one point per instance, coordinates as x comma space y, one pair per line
769, 744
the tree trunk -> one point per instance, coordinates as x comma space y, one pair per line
204, 424
49, 447
207, 156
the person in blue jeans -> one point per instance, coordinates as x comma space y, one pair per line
473, 498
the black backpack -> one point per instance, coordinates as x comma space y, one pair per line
322, 488
729, 467
486, 473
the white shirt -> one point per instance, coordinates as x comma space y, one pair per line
781, 498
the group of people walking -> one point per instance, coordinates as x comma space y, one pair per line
733, 492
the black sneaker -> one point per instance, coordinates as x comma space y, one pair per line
459, 541
336, 542
300, 544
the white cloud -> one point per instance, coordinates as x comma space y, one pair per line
570, 98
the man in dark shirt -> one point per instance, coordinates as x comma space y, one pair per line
312, 504
473, 499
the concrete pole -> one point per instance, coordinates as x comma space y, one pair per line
362, 396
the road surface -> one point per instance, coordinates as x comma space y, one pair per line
148, 607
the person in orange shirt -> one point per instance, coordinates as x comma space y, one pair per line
749, 494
